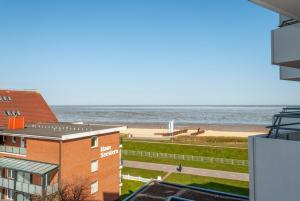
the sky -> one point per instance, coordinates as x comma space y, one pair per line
142, 52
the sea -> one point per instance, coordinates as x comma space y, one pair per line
160, 114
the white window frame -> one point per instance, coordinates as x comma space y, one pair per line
10, 194
96, 142
14, 139
94, 166
94, 187
10, 174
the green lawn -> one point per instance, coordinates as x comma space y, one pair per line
224, 185
149, 174
238, 142
216, 152
241, 154
129, 187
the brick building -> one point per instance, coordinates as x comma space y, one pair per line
45, 154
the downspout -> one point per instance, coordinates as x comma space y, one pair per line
59, 164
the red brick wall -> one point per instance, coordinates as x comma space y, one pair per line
77, 156
37, 150
76, 160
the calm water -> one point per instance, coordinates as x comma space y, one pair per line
260, 115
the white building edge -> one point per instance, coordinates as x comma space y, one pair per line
274, 166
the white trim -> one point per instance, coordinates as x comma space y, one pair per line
92, 133
21, 155
94, 187
275, 9
70, 136
96, 142
96, 163
31, 136
14, 139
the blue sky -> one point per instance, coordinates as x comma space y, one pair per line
142, 52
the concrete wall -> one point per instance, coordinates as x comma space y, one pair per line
274, 169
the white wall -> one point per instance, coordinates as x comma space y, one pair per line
286, 46
274, 167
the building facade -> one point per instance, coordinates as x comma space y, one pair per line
273, 164
42, 156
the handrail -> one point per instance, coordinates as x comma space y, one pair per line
27, 187
13, 150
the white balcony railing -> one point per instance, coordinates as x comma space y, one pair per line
286, 46
13, 150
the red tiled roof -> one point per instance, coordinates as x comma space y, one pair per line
30, 104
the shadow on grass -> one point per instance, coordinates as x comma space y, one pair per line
122, 197
223, 188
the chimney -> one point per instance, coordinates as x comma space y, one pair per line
16, 123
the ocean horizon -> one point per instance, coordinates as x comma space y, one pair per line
161, 114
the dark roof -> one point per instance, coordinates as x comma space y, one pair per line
29, 104
62, 131
164, 191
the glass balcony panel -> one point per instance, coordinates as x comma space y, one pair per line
19, 186
38, 190
32, 189
25, 187
11, 184
13, 150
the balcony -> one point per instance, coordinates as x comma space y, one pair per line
291, 74
290, 8
27, 188
286, 46
273, 159
19, 168
13, 150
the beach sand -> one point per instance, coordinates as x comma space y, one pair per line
149, 130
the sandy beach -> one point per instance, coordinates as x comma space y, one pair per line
150, 130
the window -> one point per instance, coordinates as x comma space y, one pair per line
10, 174
23, 177
14, 139
18, 112
7, 112
94, 142
94, 187
94, 166
3, 138
8, 98
10, 194
4, 98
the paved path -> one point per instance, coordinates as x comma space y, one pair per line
187, 170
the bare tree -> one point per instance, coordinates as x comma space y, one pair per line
67, 192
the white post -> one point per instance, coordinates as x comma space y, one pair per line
172, 126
